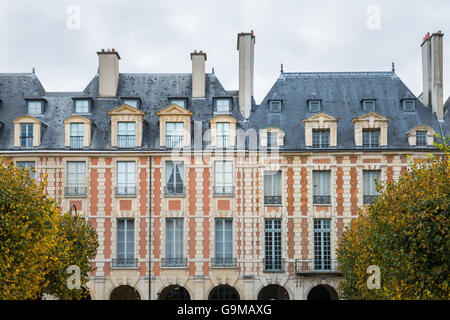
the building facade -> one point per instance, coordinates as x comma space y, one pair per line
198, 192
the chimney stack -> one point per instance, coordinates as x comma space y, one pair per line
198, 74
246, 48
432, 72
108, 73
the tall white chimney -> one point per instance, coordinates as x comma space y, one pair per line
108, 73
437, 94
246, 48
198, 74
426, 70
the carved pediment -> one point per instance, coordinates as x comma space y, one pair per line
371, 116
125, 110
174, 109
223, 118
321, 116
77, 118
423, 127
28, 119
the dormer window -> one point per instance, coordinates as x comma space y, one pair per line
135, 103
321, 138
371, 138
26, 135
174, 134
368, 105
222, 105
27, 132
222, 134
182, 102
275, 106
409, 105
35, 107
126, 134
76, 135
272, 139
314, 105
421, 138
82, 105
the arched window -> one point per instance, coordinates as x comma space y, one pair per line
223, 292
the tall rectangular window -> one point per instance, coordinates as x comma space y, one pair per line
126, 178
322, 187
321, 138
421, 138
126, 134
272, 245
34, 107
125, 243
371, 138
272, 139
76, 178
26, 135
223, 177
222, 134
322, 244
174, 134
76, 135
174, 177
369, 186
174, 255
28, 165
222, 105
223, 255
272, 187
82, 106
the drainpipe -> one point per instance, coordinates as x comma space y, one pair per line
150, 230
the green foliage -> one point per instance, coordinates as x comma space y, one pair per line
406, 233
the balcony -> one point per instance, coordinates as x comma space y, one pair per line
175, 189
321, 199
125, 141
273, 265
272, 200
123, 263
311, 267
126, 191
223, 190
224, 263
75, 191
368, 199
76, 142
174, 263
174, 141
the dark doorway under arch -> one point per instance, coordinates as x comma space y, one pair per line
223, 292
322, 292
174, 292
273, 292
125, 293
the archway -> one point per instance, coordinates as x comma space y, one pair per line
174, 292
273, 292
223, 292
125, 293
322, 292
86, 295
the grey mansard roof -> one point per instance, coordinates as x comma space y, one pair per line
341, 95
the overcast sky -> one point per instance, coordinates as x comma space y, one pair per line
157, 36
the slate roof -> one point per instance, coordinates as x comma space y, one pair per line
340, 92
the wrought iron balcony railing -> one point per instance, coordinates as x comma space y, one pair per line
76, 142
125, 191
272, 199
125, 263
223, 263
175, 189
174, 262
75, 191
307, 267
125, 141
273, 265
223, 190
321, 199
368, 199
174, 141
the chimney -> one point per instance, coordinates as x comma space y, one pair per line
108, 73
426, 70
246, 48
198, 74
437, 95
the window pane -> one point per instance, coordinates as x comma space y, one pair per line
421, 138
34, 107
81, 106
222, 105
132, 103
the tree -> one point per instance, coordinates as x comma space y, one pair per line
37, 241
406, 233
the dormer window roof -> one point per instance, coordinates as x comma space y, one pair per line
368, 105
82, 105
275, 106
35, 106
409, 105
222, 104
314, 105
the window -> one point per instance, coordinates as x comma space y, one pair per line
125, 244
321, 138
26, 135
272, 245
174, 134
275, 105
321, 187
174, 177
182, 102
132, 102
272, 139
76, 135
223, 255
76, 178
322, 244
222, 105
35, 107
368, 105
314, 105
272, 187
82, 106
223, 178
409, 105
222, 134
174, 256
421, 138
369, 186
126, 133
371, 138
28, 165
126, 184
